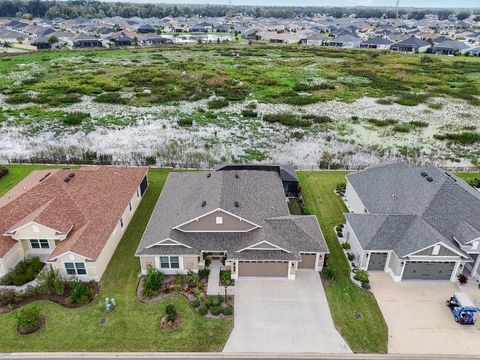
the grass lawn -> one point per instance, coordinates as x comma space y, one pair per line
370, 332
133, 326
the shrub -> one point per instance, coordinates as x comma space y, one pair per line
179, 279
350, 256
17, 99
28, 318
57, 100
435, 106
384, 101
287, 119
215, 310
75, 118
111, 98
328, 272
418, 123
79, 293
8, 297
249, 113
226, 277
207, 263
361, 275
462, 279
185, 121
170, 313
3, 171
152, 282
463, 138
341, 188
24, 272
192, 278
217, 103
196, 303
207, 301
227, 311
401, 128
51, 282
202, 310
318, 119
204, 273
346, 245
340, 234
217, 300
306, 211
381, 123
366, 285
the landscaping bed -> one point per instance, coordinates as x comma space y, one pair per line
24, 272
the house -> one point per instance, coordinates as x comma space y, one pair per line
475, 52
146, 29
345, 41
41, 43
86, 41
410, 45
120, 39
413, 222
239, 215
450, 47
315, 40
376, 43
72, 219
150, 40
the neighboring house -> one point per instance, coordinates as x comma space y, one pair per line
41, 43
239, 215
86, 41
413, 222
345, 41
146, 29
120, 39
315, 40
72, 219
150, 40
376, 43
410, 45
475, 52
450, 47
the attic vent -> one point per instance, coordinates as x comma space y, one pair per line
236, 204
429, 179
236, 176
424, 174
66, 179
204, 203
71, 175
209, 175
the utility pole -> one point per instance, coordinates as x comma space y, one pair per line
397, 3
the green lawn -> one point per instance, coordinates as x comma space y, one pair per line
370, 332
133, 326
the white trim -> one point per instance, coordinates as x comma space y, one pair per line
177, 243
263, 242
211, 212
33, 223
68, 252
437, 243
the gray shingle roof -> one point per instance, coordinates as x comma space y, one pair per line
464, 233
262, 201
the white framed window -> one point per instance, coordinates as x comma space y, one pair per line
130, 206
75, 268
138, 192
219, 220
39, 244
169, 262
121, 223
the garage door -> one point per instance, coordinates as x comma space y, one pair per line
264, 269
428, 270
377, 261
308, 261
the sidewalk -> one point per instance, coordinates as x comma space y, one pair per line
214, 287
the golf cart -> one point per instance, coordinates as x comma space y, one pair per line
463, 308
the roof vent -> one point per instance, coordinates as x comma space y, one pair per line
204, 202
424, 174
236, 204
66, 179
209, 175
429, 179
71, 175
44, 177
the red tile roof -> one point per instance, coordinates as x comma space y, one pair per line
88, 207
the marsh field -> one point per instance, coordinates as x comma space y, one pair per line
211, 103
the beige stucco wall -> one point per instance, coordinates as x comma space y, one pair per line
208, 223
186, 262
11, 258
36, 231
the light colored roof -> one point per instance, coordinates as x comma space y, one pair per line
90, 204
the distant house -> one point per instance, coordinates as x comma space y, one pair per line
146, 29
150, 40
376, 43
315, 40
450, 47
86, 41
72, 219
344, 41
410, 45
120, 39
475, 52
41, 43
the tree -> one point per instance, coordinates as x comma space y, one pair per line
463, 15
52, 40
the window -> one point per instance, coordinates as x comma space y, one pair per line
169, 262
219, 220
121, 223
75, 268
130, 206
138, 193
39, 244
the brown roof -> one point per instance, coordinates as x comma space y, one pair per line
88, 207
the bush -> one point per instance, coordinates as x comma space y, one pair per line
3, 171
24, 272
346, 245
111, 98
28, 318
170, 313
350, 257
217, 300
75, 118
361, 275
8, 297
207, 263
226, 277
202, 310
227, 311
51, 282
79, 294
185, 122
366, 285
192, 278
328, 272
217, 104
17, 99
318, 119
462, 279
203, 273
207, 301
152, 282
381, 123
384, 101
463, 138
215, 310
340, 234
249, 113
287, 119
196, 303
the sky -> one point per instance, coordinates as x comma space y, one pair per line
403, 3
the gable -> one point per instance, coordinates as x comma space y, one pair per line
263, 246
217, 220
440, 251
34, 230
168, 242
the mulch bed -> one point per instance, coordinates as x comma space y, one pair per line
57, 299
38, 326
168, 282
166, 326
327, 281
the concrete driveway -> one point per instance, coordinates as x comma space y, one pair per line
280, 315
419, 321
